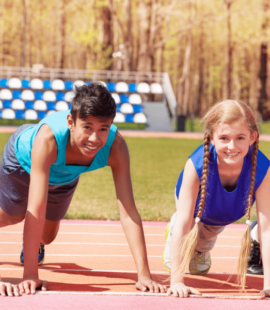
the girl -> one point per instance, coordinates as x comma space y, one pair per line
219, 184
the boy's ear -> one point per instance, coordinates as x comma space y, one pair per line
70, 122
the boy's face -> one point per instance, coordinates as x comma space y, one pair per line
89, 135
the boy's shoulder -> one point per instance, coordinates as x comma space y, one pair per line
119, 149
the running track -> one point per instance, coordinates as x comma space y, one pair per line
92, 258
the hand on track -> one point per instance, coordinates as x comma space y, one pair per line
29, 286
8, 289
180, 290
265, 293
146, 283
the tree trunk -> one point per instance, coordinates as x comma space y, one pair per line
24, 57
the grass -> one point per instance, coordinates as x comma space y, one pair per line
155, 167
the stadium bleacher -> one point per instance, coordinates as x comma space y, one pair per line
34, 99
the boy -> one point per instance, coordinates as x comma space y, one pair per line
40, 170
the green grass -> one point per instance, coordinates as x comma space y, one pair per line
155, 167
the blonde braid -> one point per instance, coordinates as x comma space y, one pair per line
245, 246
189, 241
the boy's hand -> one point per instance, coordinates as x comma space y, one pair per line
30, 285
8, 289
145, 283
180, 290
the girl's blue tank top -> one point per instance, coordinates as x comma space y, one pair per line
221, 206
60, 173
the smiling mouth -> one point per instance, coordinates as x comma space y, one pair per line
91, 148
231, 155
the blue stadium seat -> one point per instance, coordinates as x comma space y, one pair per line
69, 105
7, 104
118, 108
51, 105
29, 105
111, 86
4, 83
129, 118
124, 98
88, 83
47, 84
25, 83
0, 113
16, 94
137, 108
38, 95
19, 114
60, 96
68, 85
41, 114
132, 87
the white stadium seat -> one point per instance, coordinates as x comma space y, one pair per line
27, 95
119, 118
78, 83
49, 95
126, 108
40, 105
14, 83
121, 87
17, 104
61, 106
31, 114
140, 118
36, 84
135, 99
102, 83
58, 85
5, 94
8, 114
69, 96
1, 105
116, 98
50, 112
143, 88
156, 88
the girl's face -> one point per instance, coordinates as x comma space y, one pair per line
232, 142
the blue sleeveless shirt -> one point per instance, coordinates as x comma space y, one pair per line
223, 207
60, 173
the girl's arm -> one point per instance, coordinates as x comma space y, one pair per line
44, 153
183, 224
129, 216
263, 215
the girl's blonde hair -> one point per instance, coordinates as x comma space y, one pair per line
228, 112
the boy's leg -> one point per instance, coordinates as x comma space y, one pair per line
6, 219
50, 231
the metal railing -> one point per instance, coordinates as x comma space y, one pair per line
94, 76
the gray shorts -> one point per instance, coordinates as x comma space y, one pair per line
14, 186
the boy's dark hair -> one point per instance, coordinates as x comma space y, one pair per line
93, 99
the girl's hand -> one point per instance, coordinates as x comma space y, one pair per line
180, 290
30, 285
8, 289
145, 283
265, 293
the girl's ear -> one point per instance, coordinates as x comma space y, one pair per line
253, 137
212, 140
70, 122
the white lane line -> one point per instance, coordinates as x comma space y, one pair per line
145, 294
115, 271
113, 244
109, 255
103, 234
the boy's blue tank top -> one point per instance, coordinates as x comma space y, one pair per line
223, 207
60, 173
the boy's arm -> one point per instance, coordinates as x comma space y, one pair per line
130, 218
263, 215
44, 153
